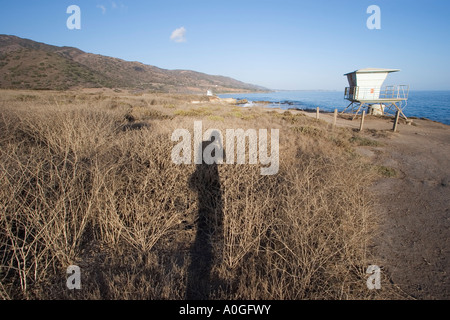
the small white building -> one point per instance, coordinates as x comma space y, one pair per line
366, 89
368, 81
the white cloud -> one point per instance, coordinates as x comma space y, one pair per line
179, 35
102, 7
118, 6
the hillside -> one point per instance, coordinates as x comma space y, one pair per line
26, 64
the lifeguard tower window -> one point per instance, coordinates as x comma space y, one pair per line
366, 90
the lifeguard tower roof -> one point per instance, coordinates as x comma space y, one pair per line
373, 70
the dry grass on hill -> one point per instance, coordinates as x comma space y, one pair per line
87, 179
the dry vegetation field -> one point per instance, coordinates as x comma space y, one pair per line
87, 179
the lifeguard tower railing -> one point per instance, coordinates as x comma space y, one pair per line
357, 94
393, 98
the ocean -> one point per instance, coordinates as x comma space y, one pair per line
433, 105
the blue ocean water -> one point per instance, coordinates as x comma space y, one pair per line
434, 105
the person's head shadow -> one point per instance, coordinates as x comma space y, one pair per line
206, 249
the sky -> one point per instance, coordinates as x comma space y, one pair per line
278, 44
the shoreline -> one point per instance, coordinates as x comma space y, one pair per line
231, 101
323, 110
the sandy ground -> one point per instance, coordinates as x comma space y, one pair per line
413, 244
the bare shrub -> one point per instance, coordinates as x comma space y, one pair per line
77, 189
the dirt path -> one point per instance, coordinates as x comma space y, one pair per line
414, 239
413, 245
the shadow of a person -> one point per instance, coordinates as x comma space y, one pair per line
208, 240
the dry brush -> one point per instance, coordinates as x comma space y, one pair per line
81, 185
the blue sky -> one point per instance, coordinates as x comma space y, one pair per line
278, 44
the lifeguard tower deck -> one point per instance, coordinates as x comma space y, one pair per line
365, 90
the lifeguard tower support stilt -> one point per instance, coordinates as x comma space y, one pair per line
366, 90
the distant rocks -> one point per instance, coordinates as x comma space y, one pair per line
233, 101
228, 100
213, 98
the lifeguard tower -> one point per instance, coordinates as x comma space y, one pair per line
365, 90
